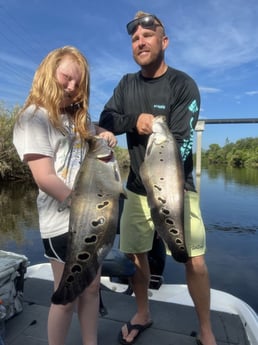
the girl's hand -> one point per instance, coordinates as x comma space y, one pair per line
109, 137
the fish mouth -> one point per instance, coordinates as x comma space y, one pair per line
106, 158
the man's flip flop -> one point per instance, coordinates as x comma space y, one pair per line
130, 327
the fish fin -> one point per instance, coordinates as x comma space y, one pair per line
123, 195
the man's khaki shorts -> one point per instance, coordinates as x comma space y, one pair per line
137, 228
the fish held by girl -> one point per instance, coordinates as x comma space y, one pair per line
94, 217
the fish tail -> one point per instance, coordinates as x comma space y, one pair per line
181, 256
71, 286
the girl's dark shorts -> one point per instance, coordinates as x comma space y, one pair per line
55, 247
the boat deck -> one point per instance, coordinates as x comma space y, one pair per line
173, 323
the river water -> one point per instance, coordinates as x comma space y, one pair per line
229, 199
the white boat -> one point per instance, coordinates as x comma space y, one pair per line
178, 294
233, 320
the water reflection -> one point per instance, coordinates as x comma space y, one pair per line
229, 199
229, 207
17, 211
241, 176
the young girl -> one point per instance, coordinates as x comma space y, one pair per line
50, 135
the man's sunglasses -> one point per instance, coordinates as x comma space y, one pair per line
146, 22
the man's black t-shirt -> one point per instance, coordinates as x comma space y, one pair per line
174, 95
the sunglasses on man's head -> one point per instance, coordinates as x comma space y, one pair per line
146, 22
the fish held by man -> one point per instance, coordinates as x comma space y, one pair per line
94, 213
163, 178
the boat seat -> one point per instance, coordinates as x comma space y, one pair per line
117, 264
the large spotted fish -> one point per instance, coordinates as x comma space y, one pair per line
163, 178
93, 220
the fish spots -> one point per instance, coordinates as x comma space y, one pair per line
84, 256
98, 222
155, 186
178, 241
70, 279
76, 269
90, 239
103, 204
180, 244
165, 211
161, 159
173, 231
104, 195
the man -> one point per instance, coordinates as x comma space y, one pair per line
157, 89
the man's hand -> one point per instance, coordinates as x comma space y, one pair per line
144, 123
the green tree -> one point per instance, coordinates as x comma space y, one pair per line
10, 165
240, 154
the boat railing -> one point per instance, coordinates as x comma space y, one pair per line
200, 127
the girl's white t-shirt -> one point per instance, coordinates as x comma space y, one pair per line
34, 134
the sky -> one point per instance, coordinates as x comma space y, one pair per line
214, 41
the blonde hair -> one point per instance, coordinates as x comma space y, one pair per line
47, 93
141, 14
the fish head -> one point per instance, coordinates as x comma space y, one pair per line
107, 163
159, 131
159, 119
99, 147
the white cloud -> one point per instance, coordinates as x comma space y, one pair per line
220, 35
205, 89
251, 93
